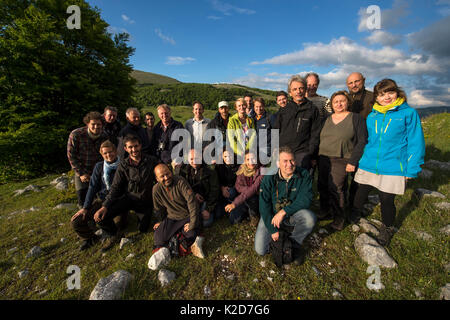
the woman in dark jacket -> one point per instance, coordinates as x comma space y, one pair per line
342, 141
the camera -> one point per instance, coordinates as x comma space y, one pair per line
281, 203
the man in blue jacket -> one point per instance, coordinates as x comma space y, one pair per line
99, 186
284, 201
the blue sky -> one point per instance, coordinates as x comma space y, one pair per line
262, 43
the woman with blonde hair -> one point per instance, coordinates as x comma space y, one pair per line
241, 129
393, 154
247, 184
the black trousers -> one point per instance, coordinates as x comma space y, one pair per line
388, 210
124, 204
303, 159
331, 184
168, 228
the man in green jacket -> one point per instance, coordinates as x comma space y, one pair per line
284, 200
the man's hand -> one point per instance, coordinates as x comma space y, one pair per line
230, 207
275, 236
82, 212
85, 178
100, 214
205, 214
156, 225
186, 227
199, 198
276, 220
225, 192
350, 168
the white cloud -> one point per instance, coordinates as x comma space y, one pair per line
227, 9
127, 19
384, 38
178, 61
434, 38
426, 98
213, 18
164, 37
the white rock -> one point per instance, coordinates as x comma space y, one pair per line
355, 228
61, 186
159, 259
335, 293
23, 273
123, 242
63, 240
129, 257
66, 206
442, 205
230, 277
376, 223
425, 174
34, 252
366, 226
270, 279
428, 193
165, 277
445, 292
59, 179
371, 252
207, 291
111, 287
437, 164
423, 235
445, 229
263, 264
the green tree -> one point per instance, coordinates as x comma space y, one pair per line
51, 76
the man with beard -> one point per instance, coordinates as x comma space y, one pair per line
363, 99
133, 127
131, 190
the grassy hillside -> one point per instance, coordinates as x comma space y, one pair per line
232, 270
143, 77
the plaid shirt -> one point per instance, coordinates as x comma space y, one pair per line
83, 152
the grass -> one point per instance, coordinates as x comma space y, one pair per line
229, 250
143, 77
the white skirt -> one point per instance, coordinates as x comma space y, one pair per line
388, 184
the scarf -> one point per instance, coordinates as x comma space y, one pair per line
108, 168
384, 109
246, 171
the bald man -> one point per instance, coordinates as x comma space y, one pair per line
362, 98
174, 202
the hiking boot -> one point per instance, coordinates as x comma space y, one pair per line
338, 223
196, 247
86, 244
385, 236
299, 256
111, 241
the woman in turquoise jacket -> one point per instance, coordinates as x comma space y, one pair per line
393, 154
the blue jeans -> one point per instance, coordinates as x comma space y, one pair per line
303, 222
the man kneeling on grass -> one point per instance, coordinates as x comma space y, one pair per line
174, 201
284, 200
99, 186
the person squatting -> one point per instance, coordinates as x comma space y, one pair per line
250, 166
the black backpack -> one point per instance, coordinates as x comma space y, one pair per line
282, 250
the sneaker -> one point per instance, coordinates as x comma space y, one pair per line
196, 248
111, 241
385, 236
86, 244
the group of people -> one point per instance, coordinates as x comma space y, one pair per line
374, 139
